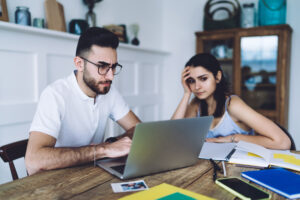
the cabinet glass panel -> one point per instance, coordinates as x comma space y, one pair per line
258, 73
223, 51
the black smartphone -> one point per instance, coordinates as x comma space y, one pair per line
242, 189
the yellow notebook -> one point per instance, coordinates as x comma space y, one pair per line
165, 192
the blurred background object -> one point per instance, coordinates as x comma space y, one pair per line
22, 16
118, 30
271, 12
248, 15
39, 22
55, 15
90, 15
78, 26
221, 14
3, 11
134, 28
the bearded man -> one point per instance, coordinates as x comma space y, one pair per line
69, 124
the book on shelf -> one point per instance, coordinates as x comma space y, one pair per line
255, 155
165, 192
278, 180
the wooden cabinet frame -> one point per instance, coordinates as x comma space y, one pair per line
280, 114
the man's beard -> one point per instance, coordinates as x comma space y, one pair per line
93, 85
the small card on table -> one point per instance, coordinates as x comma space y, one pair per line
129, 186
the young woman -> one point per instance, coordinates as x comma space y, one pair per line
233, 119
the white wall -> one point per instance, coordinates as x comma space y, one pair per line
27, 67
180, 22
294, 106
148, 14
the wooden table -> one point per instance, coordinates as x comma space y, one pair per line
89, 182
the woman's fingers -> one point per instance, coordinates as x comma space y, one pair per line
220, 139
185, 75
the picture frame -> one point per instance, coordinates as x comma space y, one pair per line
3, 11
118, 30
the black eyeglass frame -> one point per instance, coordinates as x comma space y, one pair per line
113, 67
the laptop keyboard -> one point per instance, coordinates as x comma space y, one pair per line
119, 168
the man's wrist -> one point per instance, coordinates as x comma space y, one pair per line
99, 151
94, 155
111, 139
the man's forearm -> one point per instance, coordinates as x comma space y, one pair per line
128, 133
47, 158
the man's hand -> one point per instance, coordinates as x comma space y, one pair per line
118, 149
128, 133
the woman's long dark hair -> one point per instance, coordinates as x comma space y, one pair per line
210, 63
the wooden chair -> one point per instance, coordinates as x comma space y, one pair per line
11, 152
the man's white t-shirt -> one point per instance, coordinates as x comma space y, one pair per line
74, 119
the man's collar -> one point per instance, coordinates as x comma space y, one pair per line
77, 88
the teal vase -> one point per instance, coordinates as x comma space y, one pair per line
271, 12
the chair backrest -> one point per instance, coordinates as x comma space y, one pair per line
11, 152
293, 146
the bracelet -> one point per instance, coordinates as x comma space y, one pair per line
94, 155
233, 138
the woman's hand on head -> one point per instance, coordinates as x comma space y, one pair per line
184, 76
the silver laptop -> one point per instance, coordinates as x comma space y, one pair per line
161, 146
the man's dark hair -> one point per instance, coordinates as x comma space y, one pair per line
210, 63
96, 36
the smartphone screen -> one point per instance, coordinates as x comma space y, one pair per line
243, 188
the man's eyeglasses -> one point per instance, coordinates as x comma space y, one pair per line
104, 67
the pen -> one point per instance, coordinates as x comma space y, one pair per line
230, 154
224, 169
216, 168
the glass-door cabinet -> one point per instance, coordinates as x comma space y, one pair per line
256, 63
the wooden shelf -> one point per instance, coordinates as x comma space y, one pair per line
262, 85
6, 26
253, 29
225, 59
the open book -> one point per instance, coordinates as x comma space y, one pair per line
256, 155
